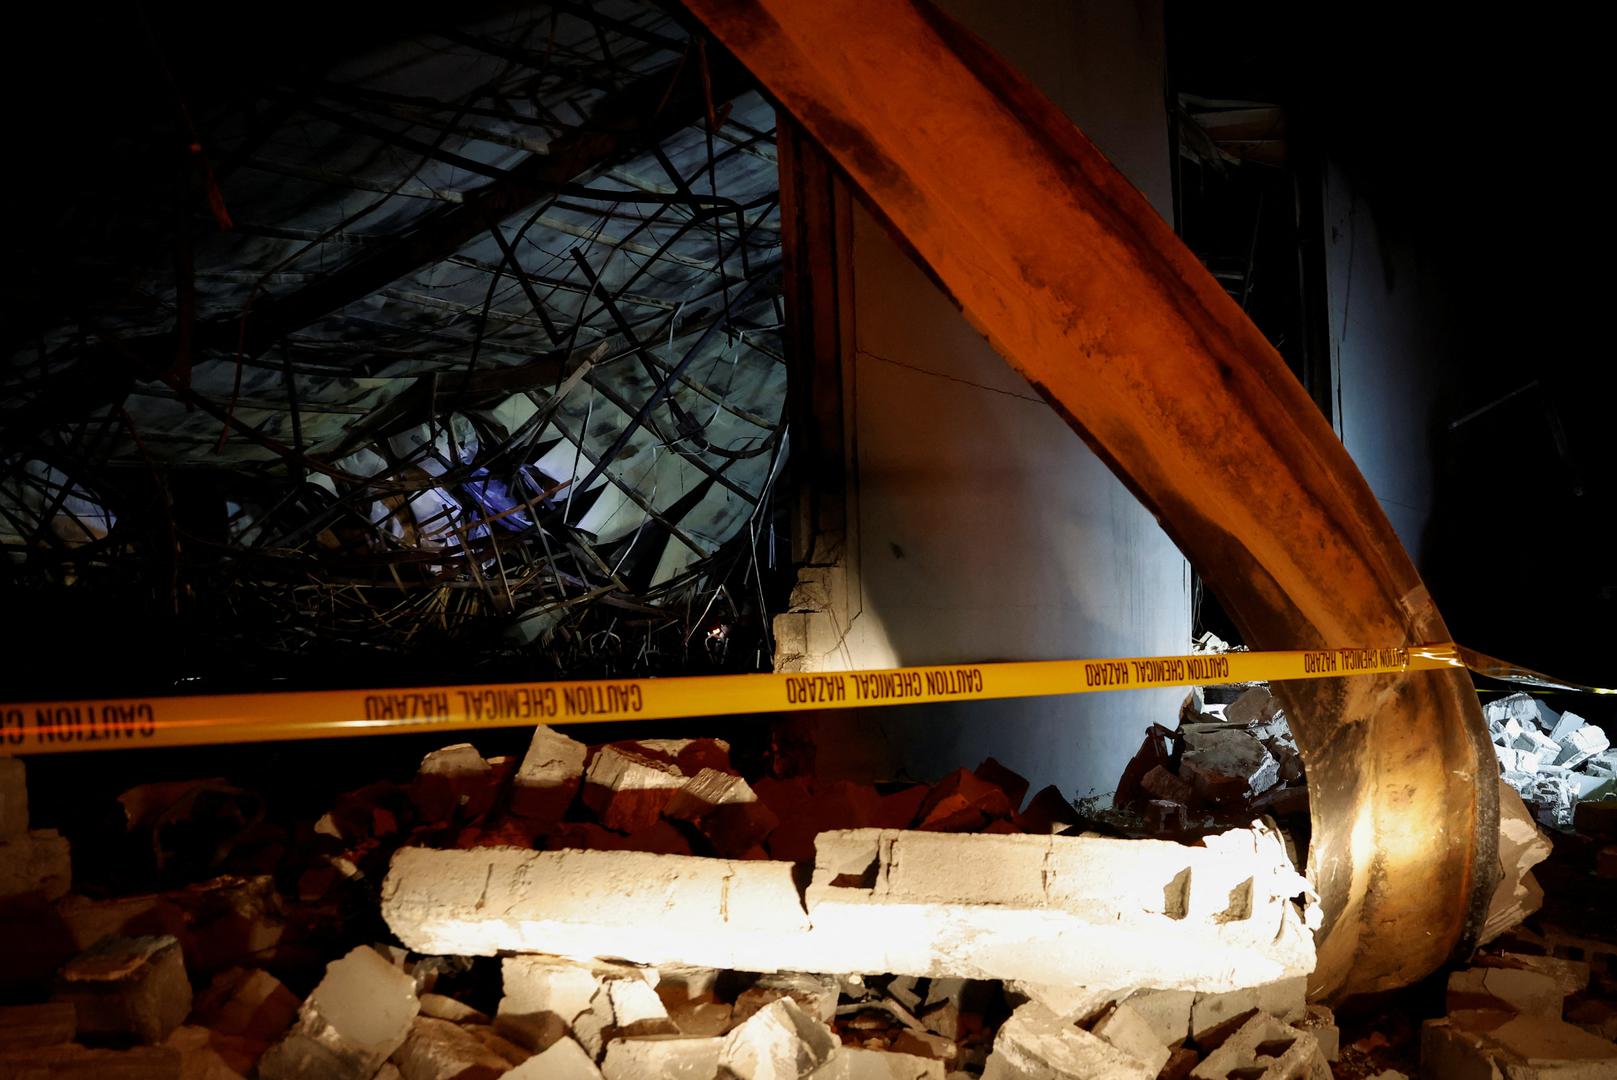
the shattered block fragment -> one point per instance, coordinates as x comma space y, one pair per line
1521, 847
453, 779
688, 993
1486, 1044
1162, 816
440, 1007
1581, 745
1565, 726
778, 1042
1320, 1022
963, 802
128, 987
852, 1063
251, 1003
549, 776
1073, 1004
350, 1023
667, 1058
622, 1009
545, 994
564, 1060
1265, 1048
36, 1025
815, 994
628, 791
1527, 992
725, 810
1038, 1045
1213, 1016
1572, 976
1214, 760
1525, 709
13, 798
1162, 784
1167, 1011
35, 863
440, 1050
1133, 1034
1255, 706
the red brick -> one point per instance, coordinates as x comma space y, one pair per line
962, 802
1012, 783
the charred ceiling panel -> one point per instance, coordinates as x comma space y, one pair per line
471, 340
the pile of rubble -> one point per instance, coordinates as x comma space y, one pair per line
1232, 757
641, 909
1553, 760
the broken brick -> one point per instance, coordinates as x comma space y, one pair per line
628, 790
453, 781
1012, 783
1048, 811
549, 776
963, 802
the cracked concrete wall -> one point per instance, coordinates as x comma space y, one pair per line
980, 526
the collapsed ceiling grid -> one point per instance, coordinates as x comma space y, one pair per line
476, 337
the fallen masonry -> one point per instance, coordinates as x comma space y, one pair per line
1214, 916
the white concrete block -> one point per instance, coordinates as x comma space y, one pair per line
1265, 1048
653, 909
564, 1060
1035, 1043
1566, 725
1581, 745
549, 775
1133, 1034
36, 862
1046, 909
1167, 1011
667, 1058
350, 1023
778, 1042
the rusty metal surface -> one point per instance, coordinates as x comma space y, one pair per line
1079, 284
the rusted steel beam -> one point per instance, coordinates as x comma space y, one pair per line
1078, 283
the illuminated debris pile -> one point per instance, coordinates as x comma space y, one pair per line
1231, 757
923, 898
1554, 760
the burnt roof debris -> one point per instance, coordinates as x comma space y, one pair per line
456, 348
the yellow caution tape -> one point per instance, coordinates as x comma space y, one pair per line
45, 727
